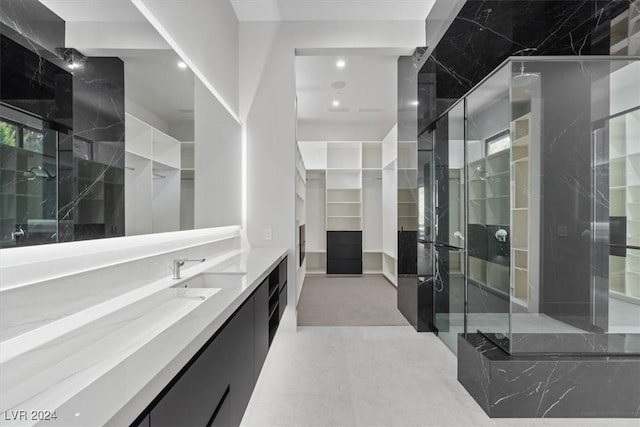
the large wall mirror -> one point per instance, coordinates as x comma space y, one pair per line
96, 125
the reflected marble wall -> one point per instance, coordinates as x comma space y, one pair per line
85, 106
485, 33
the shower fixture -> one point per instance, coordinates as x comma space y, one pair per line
523, 78
38, 171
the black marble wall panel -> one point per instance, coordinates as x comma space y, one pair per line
426, 305
34, 84
486, 32
548, 387
86, 107
95, 153
566, 168
33, 25
415, 296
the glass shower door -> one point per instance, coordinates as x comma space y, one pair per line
488, 161
449, 263
28, 181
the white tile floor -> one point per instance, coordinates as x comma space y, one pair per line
369, 376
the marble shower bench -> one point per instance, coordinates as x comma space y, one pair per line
553, 386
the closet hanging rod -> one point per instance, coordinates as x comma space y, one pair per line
157, 175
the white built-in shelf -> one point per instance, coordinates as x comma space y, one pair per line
353, 179
153, 162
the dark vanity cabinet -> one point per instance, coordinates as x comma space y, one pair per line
344, 252
282, 268
214, 388
261, 326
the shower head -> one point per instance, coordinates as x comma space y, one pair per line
38, 171
524, 79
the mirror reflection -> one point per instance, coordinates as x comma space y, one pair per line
96, 128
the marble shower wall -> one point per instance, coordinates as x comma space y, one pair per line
92, 187
549, 387
85, 106
480, 38
486, 32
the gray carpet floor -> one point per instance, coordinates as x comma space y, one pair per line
349, 301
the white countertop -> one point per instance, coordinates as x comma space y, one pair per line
107, 369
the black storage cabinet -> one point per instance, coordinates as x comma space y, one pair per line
344, 252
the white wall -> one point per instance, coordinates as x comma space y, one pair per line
182, 131
218, 161
267, 107
98, 38
206, 33
140, 112
336, 131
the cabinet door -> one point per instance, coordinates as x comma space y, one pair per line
283, 301
222, 416
238, 337
193, 399
282, 271
347, 266
261, 326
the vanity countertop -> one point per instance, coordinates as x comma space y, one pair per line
108, 369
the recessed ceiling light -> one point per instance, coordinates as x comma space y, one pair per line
415, 103
340, 63
336, 103
182, 65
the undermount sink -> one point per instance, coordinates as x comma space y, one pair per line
212, 280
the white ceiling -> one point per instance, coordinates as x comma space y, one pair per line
332, 10
370, 94
152, 77
156, 83
95, 10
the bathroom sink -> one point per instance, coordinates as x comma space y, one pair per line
212, 280
198, 293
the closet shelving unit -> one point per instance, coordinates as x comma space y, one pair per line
344, 184
489, 204
624, 195
625, 32
152, 179
407, 185
390, 194
372, 207
187, 188
301, 176
520, 143
316, 235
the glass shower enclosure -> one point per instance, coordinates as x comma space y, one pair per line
538, 197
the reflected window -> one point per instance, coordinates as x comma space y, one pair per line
33, 140
8, 133
82, 148
499, 143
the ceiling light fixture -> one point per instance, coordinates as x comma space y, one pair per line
72, 57
341, 63
182, 65
336, 103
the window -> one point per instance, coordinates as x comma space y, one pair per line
8, 133
32, 140
498, 143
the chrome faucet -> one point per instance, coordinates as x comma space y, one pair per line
177, 263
